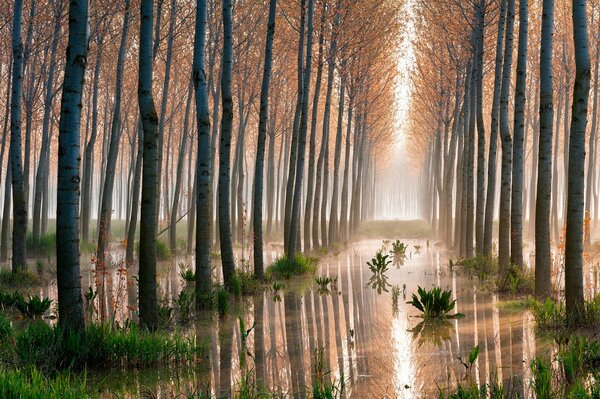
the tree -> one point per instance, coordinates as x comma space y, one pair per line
260, 147
543, 256
576, 182
505, 184
70, 303
203, 270
225, 146
19, 260
516, 207
148, 304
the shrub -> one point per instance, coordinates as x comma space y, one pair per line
186, 273
285, 268
434, 303
8, 299
32, 384
33, 308
184, 303
222, 300
99, 346
480, 266
19, 279
244, 283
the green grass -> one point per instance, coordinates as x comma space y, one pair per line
394, 229
45, 247
99, 346
480, 266
284, 268
163, 252
244, 283
6, 330
21, 279
32, 384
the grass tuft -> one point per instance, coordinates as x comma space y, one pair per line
20, 279
32, 384
285, 268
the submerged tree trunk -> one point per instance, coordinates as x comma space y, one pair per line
504, 226
543, 255
516, 208
70, 303
148, 304
260, 148
575, 199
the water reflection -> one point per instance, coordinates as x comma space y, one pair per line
357, 333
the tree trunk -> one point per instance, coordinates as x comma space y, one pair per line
516, 211
343, 230
334, 214
310, 188
19, 260
70, 304
592, 147
480, 204
293, 246
179, 176
260, 148
504, 226
135, 198
106, 209
203, 173
575, 199
543, 254
148, 304
41, 178
225, 147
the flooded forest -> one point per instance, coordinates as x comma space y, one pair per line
326, 199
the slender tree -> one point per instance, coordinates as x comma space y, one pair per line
225, 146
148, 304
70, 303
260, 146
576, 181
543, 256
19, 260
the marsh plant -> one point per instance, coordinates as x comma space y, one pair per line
434, 303
34, 307
323, 282
276, 287
165, 313
184, 303
379, 264
435, 331
399, 249
321, 387
186, 273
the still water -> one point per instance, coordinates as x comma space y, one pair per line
363, 334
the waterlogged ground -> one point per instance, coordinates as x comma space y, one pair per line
375, 343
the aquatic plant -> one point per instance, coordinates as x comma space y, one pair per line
276, 288
435, 331
434, 303
184, 303
244, 282
34, 307
33, 384
9, 299
542, 378
286, 268
45, 246
186, 273
379, 264
163, 251
321, 387
165, 314
548, 315
222, 301
323, 283
102, 345
398, 248
379, 282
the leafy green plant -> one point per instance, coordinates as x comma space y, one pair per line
548, 315
379, 264
33, 384
276, 288
399, 249
184, 303
186, 273
165, 314
222, 300
34, 307
542, 379
323, 284
244, 282
434, 303
9, 299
